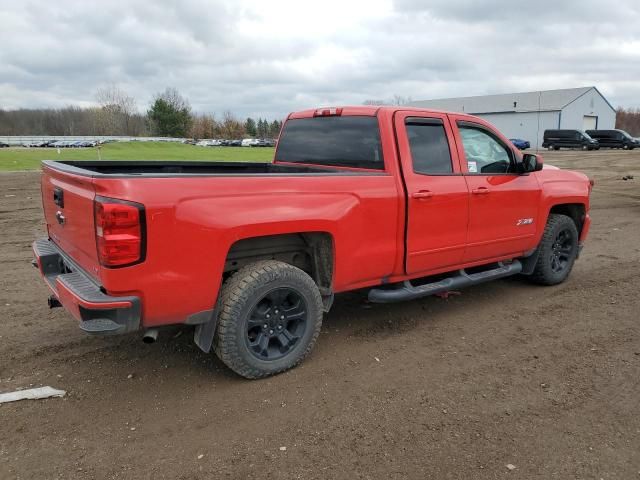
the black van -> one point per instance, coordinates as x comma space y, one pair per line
614, 139
556, 139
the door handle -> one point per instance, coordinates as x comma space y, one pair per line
422, 194
60, 217
480, 191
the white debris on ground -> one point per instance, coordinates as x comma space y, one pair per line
31, 394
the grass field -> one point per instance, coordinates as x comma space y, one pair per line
21, 158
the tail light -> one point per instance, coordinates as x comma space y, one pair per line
119, 232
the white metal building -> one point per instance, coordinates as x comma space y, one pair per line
527, 115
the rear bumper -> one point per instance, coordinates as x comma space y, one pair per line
97, 312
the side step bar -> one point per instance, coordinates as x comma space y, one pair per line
406, 291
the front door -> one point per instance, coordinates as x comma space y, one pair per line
437, 195
503, 205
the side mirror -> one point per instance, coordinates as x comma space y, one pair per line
531, 163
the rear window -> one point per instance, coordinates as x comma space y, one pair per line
337, 141
429, 146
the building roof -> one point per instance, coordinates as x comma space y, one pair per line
546, 100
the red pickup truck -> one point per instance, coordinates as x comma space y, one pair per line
402, 201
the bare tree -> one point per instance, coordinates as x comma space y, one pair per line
396, 100
231, 127
174, 99
115, 112
628, 119
203, 126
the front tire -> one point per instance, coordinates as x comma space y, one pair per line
557, 251
270, 318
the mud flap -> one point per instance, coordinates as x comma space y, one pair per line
203, 335
529, 262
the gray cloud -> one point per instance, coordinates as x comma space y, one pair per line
267, 61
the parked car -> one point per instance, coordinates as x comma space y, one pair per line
252, 254
614, 139
557, 139
520, 144
235, 143
4, 145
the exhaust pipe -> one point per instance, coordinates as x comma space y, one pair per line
53, 302
150, 336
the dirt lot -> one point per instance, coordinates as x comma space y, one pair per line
546, 379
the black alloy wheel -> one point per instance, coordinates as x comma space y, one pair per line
562, 250
276, 324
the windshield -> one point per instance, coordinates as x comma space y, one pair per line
585, 134
625, 134
352, 141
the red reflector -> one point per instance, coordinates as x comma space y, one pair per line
119, 232
328, 112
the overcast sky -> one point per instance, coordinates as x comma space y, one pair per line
266, 58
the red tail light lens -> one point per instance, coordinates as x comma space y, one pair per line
119, 232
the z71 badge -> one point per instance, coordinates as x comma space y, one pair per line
525, 221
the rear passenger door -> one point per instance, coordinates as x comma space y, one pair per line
437, 195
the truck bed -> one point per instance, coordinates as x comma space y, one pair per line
154, 168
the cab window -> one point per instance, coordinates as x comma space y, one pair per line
429, 146
484, 153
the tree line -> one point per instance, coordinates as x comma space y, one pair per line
169, 115
628, 119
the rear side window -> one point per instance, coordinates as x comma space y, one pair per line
337, 141
429, 146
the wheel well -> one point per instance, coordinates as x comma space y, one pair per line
575, 211
312, 252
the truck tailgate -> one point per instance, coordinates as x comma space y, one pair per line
67, 201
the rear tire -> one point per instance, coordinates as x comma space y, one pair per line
557, 251
270, 318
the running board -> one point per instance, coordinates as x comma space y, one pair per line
406, 291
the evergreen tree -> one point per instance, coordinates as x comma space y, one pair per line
250, 127
274, 129
262, 128
170, 114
